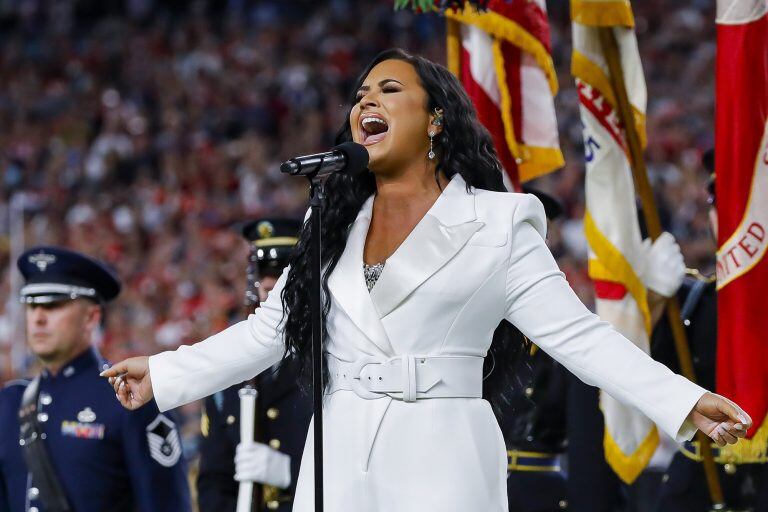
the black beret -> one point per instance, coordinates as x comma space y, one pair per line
54, 274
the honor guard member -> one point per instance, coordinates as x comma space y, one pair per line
744, 480
534, 424
66, 444
592, 485
283, 412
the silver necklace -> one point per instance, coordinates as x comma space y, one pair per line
372, 273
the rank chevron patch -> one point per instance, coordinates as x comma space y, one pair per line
164, 442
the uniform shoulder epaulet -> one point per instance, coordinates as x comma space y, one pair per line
17, 382
695, 274
12, 387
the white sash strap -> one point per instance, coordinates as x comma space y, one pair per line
408, 377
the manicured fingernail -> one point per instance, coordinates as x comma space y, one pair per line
738, 426
743, 418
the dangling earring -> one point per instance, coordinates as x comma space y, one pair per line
431, 154
438, 121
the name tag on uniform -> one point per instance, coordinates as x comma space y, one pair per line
82, 430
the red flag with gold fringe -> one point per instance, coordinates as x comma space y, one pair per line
741, 167
502, 56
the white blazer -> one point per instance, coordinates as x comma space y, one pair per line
474, 259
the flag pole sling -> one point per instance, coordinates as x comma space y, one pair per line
651, 215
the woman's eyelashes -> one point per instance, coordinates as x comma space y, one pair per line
386, 89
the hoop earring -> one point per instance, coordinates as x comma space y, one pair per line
431, 155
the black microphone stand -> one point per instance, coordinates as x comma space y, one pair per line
351, 158
316, 196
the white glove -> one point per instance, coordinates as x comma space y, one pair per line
256, 462
662, 266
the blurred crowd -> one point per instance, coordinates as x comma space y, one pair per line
143, 132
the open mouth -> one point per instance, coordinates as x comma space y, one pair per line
373, 129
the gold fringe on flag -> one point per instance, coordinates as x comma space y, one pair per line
538, 161
602, 13
749, 451
506, 102
629, 467
532, 161
506, 29
590, 73
611, 265
453, 46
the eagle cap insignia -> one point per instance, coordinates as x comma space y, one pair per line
265, 229
42, 260
86, 416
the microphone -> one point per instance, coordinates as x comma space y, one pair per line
349, 157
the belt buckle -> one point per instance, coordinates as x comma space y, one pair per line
355, 379
512, 460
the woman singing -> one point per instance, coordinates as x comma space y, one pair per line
425, 255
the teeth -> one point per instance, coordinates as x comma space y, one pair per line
369, 120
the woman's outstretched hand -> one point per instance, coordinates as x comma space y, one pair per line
719, 418
131, 381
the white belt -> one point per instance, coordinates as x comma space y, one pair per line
408, 377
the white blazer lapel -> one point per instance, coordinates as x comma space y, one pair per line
347, 283
435, 240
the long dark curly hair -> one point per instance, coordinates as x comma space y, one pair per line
465, 147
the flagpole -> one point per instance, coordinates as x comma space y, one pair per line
453, 46
650, 213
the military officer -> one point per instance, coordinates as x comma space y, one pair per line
744, 481
282, 410
534, 424
66, 444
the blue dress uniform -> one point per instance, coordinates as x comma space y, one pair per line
104, 457
684, 487
534, 430
592, 485
283, 411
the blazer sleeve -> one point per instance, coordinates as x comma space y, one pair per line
542, 305
234, 355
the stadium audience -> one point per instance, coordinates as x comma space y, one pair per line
143, 131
